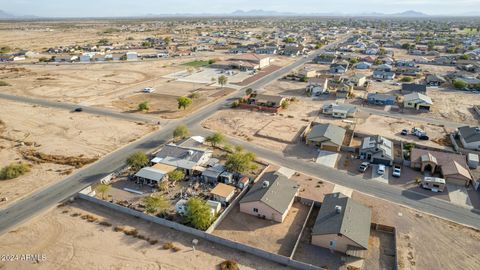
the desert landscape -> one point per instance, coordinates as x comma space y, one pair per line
55, 143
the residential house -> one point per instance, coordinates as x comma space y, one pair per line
383, 72
377, 150
85, 57
381, 99
339, 110
317, 86
469, 137
342, 225
434, 80
244, 62
293, 50
413, 88
417, 101
363, 65
452, 167
212, 174
152, 176
190, 160
223, 193
327, 136
132, 56
343, 89
238, 50
266, 50
270, 198
359, 81
307, 73
325, 58
340, 67
273, 101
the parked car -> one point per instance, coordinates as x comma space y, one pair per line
396, 171
381, 169
404, 132
78, 109
363, 167
148, 90
423, 137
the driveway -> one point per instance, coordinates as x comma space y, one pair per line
327, 158
459, 195
381, 178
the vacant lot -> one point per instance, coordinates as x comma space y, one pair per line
391, 127
266, 129
70, 242
55, 142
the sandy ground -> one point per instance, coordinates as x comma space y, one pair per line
262, 128
251, 230
391, 128
56, 132
70, 242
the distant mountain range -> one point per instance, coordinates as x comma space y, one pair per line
260, 13
7, 16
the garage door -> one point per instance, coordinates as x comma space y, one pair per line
424, 108
381, 161
329, 148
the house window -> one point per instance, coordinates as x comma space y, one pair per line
333, 243
436, 186
255, 210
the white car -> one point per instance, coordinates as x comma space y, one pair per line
148, 90
381, 169
396, 171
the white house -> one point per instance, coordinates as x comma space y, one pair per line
132, 56
317, 86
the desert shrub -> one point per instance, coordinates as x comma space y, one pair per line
168, 245
229, 265
104, 223
14, 170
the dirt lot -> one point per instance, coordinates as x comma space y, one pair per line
454, 105
55, 142
70, 242
265, 234
391, 128
263, 128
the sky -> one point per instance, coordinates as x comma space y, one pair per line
109, 8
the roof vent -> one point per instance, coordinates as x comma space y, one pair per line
190, 152
338, 209
265, 184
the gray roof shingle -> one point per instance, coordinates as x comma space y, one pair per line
277, 195
352, 221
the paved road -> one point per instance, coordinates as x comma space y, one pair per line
391, 193
40, 201
86, 109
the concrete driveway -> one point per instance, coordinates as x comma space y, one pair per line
327, 158
381, 178
459, 195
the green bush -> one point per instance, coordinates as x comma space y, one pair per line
137, 160
14, 170
2, 83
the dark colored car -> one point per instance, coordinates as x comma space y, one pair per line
79, 109
423, 138
404, 132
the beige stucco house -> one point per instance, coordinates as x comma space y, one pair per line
270, 198
342, 225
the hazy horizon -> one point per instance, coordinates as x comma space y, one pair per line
129, 8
